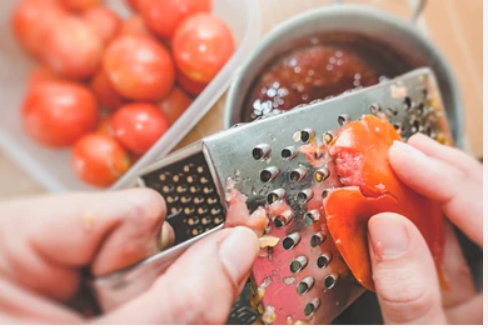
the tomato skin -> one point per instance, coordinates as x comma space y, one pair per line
164, 16
202, 45
105, 93
191, 87
32, 19
57, 114
360, 156
138, 126
105, 126
99, 160
80, 5
134, 26
139, 68
40, 75
133, 4
174, 105
104, 21
73, 49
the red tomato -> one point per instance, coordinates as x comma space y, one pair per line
80, 5
192, 87
174, 104
57, 114
134, 26
104, 21
360, 156
40, 75
138, 126
163, 16
139, 68
202, 45
99, 160
31, 19
105, 126
73, 49
133, 4
105, 93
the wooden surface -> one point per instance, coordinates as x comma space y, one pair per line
454, 25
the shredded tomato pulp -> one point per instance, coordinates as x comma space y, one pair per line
360, 156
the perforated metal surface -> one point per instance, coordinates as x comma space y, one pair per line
302, 278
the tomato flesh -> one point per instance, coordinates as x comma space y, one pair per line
360, 156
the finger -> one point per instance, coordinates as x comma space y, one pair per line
200, 287
450, 155
45, 240
457, 273
404, 272
461, 196
167, 236
467, 313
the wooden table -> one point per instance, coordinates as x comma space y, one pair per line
454, 25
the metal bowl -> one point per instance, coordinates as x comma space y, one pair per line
375, 25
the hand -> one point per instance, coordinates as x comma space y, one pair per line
45, 241
405, 275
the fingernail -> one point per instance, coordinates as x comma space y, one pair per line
238, 252
166, 235
388, 236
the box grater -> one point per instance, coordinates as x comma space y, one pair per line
300, 276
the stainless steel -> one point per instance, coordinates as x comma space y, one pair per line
237, 158
376, 25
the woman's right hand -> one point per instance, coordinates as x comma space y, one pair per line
405, 276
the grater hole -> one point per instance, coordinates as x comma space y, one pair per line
212, 200
311, 307
305, 285
325, 193
420, 109
391, 112
269, 174
185, 199
297, 175
202, 210
281, 220
218, 220
415, 126
288, 153
343, 119
176, 178
186, 168
208, 190
304, 196
374, 109
261, 152
298, 264
167, 188
171, 199
215, 211
330, 281
200, 169
198, 200
181, 189
206, 221
398, 127
407, 103
194, 189
306, 135
189, 210
290, 241
321, 175
311, 217
275, 196
324, 260
328, 137
204, 180
317, 239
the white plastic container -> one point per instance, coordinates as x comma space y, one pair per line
53, 167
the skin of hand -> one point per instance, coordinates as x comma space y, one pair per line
405, 276
45, 241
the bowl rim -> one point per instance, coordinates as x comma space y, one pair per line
237, 86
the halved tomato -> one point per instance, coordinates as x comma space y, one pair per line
360, 156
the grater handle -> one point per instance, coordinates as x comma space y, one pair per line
115, 289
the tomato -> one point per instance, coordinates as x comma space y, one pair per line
56, 114
105, 93
133, 4
138, 126
99, 160
134, 26
80, 5
360, 156
104, 21
73, 49
192, 87
30, 21
105, 126
174, 105
163, 16
202, 45
40, 75
139, 68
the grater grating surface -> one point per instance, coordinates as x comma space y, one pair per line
302, 279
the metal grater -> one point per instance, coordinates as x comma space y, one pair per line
302, 279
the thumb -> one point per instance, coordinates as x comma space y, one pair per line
200, 287
404, 272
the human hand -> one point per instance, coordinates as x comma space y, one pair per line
45, 241
405, 276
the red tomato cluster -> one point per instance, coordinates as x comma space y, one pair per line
111, 87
